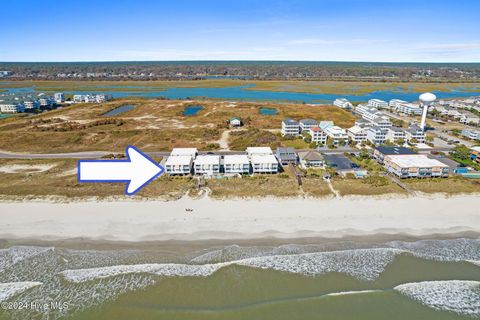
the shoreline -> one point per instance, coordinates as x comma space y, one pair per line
239, 219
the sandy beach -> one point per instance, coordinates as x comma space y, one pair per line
238, 219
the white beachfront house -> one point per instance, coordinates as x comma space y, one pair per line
180, 161
178, 165
236, 164
290, 127
262, 160
357, 134
318, 135
395, 133
207, 164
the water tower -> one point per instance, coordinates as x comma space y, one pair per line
426, 100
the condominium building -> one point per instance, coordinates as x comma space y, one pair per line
342, 103
377, 103
395, 134
236, 164
11, 107
415, 132
376, 135
415, 166
405, 107
262, 160
208, 164
471, 134
59, 97
180, 161
290, 127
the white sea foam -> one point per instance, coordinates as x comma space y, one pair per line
10, 289
347, 293
366, 264
16, 254
462, 297
442, 250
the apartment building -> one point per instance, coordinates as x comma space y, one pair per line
342, 103
415, 166
290, 127
357, 134
377, 103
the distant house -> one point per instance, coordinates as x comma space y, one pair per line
395, 134
471, 134
376, 135
235, 122
290, 127
475, 154
342, 103
207, 164
415, 132
357, 134
11, 107
381, 152
236, 164
318, 135
286, 156
311, 159
377, 103
307, 124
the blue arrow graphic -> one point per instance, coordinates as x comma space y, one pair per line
138, 170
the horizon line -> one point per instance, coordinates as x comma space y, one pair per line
232, 60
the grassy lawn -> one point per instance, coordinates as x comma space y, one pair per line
452, 185
280, 185
347, 186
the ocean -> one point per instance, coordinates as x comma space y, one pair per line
425, 279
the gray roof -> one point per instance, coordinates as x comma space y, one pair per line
289, 121
309, 122
287, 153
395, 150
310, 156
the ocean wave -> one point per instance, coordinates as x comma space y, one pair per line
16, 254
462, 297
10, 289
442, 250
365, 264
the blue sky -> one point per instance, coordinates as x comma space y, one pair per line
334, 30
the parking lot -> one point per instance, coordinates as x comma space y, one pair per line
339, 162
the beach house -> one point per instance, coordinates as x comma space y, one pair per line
262, 160
318, 135
415, 166
335, 133
207, 164
180, 161
376, 135
290, 127
414, 132
311, 159
306, 124
236, 164
286, 156
357, 134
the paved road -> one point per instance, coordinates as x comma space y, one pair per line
71, 155
99, 154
